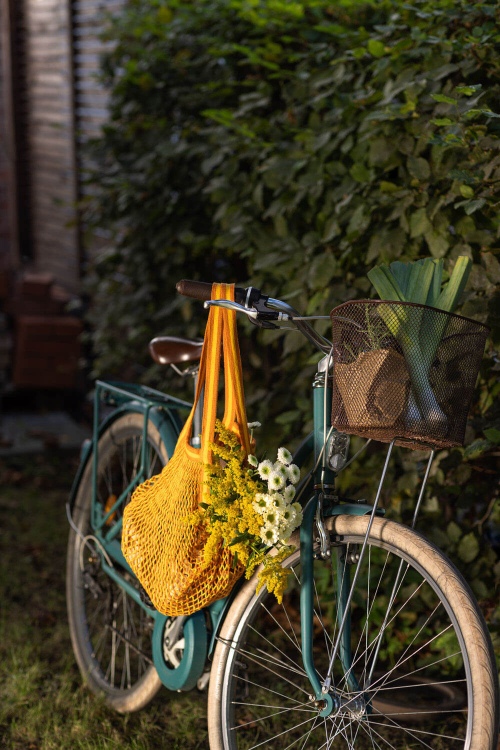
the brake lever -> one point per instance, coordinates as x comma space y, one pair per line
261, 318
230, 305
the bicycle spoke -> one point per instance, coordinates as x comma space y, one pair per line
279, 734
268, 690
282, 630
414, 732
262, 663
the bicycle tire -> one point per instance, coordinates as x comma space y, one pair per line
110, 633
259, 694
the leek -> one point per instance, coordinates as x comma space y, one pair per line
421, 283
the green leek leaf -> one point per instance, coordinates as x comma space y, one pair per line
450, 296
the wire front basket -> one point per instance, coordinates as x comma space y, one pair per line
404, 371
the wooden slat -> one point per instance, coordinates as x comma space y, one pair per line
91, 100
51, 139
9, 251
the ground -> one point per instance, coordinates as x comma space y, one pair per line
43, 703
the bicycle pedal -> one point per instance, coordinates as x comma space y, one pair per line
202, 683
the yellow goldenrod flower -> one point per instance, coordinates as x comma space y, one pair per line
241, 509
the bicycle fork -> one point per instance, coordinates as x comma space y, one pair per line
324, 695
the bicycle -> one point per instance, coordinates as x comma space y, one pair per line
379, 642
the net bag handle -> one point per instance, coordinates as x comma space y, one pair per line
220, 338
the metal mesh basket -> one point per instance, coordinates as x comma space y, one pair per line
404, 371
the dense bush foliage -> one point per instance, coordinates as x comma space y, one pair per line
295, 145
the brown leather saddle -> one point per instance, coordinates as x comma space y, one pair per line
172, 350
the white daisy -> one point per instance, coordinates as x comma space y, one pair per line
275, 481
271, 517
269, 535
270, 500
265, 468
284, 456
278, 501
253, 460
293, 473
289, 493
280, 468
260, 503
285, 532
290, 515
298, 510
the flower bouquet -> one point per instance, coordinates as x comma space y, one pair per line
249, 506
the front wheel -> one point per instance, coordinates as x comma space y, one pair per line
416, 672
110, 632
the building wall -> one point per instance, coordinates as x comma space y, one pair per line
50, 105
8, 235
51, 140
57, 105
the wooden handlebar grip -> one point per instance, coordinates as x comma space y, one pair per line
197, 289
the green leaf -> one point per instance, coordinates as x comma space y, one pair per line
401, 272
468, 548
280, 226
469, 90
442, 121
454, 532
476, 449
471, 114
376, 48
331, 229
492, 267
466, 191
361, 173
239, 538
358, 52
321, 271
492, 434
472, 206
437, 280
444, 99
420, 281
450, 296
388, 187
438, 243
419, 167
419, 223
385, 284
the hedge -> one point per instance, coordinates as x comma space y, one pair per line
294, 145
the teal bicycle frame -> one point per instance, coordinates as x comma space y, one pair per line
164, 412
323, 504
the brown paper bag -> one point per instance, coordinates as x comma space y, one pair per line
374, 388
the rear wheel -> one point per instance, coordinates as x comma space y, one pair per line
110, 632
420, 674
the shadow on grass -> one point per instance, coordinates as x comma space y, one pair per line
43, 703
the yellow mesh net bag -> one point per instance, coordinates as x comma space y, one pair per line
163, 549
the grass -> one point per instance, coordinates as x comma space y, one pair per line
43, 703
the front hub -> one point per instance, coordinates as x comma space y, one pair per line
334, 704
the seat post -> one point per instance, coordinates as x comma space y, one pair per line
196, 438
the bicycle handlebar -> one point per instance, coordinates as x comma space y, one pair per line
267, 309
202, 290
